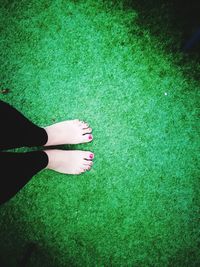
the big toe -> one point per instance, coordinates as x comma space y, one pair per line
87, 138
87, 155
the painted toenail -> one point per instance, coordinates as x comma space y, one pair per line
91, 156
90, 137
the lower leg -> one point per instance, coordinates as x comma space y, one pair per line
17, 170
17, 130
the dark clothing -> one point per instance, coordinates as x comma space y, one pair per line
18, 168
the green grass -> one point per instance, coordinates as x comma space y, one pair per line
139, 205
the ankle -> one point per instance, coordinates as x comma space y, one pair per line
50, 156
50, 140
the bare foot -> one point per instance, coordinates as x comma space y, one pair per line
70, 161
68, 132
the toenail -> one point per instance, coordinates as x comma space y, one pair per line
90, 137
91, 156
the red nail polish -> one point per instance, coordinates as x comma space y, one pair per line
91, 156
90, 137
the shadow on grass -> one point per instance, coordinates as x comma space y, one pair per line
175, 24
34, 255
16, 250
185, 257
180, 17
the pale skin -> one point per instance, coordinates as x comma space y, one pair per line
69, 161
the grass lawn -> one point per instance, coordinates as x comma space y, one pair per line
140, 203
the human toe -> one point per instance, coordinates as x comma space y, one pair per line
88, 155
86, 168
87, 163
87, 138
85, 125
87, 131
